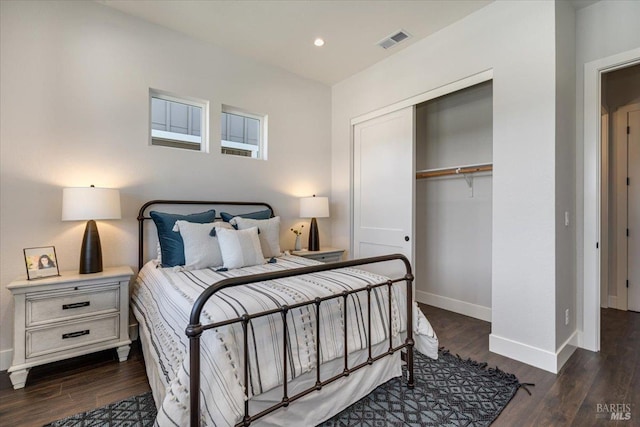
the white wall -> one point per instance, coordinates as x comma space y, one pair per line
565, 176
603, 29
516, 40
453, 223
74, 84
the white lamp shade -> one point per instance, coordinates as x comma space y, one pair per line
314, 207
85, 203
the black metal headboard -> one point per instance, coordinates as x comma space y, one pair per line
143, 209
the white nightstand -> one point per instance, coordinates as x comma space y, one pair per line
66, 316
325, 255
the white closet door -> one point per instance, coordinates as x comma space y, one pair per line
384, 178
633, 219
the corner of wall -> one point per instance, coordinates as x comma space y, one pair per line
457, 306
534, 356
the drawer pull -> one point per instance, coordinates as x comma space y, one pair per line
75, 334
76, 305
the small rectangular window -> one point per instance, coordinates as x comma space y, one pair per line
178, 122
242, 133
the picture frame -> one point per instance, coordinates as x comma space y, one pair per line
41, 262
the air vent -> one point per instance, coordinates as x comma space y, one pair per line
393, 39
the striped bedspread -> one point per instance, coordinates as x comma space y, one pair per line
162, 300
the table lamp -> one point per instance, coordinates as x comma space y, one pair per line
90, 203
314, 207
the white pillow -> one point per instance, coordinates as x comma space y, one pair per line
201, 249
240, 248
269, 234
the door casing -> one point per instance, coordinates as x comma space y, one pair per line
589, 337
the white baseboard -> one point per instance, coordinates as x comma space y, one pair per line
613, 301
579, 339
457, 306
566, 350
543, 359
5, 359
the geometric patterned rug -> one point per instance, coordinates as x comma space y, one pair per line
449, 391
136, 411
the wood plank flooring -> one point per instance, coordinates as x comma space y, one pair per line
61, 389
567, 399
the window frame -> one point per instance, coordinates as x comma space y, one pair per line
160, 138
259, 150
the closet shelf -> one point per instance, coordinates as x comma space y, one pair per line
460, 170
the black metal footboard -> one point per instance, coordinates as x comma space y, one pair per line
195, 329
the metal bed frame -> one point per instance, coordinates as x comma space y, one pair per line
195, 329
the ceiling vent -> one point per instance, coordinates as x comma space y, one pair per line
393, 39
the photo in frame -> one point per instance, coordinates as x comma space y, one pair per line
41, 262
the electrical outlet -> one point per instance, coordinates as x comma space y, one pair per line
566, 316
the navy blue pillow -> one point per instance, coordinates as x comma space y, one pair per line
266, 214
171, 244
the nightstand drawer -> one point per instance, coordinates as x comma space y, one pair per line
326, 255
69, 304
71, 334
327, 258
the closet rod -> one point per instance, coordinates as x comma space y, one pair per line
430, 173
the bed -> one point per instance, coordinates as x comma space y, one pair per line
238, 346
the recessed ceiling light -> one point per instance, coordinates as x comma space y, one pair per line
318, 42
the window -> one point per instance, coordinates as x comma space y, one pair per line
242, 133
178, 122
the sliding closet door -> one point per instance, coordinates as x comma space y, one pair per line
383, 175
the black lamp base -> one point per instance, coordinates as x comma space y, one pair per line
314, 236
91, 251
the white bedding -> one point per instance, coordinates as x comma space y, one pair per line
162, 300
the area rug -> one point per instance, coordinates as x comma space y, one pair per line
136, 411
449, 391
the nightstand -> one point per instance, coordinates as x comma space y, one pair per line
69, 315
326, 255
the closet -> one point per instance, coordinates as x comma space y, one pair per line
454, 163
422, 186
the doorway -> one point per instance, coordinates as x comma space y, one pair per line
594, 178
620, 138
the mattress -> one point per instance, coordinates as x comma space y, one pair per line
162, 300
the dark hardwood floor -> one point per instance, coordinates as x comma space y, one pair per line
61, 389
568, 398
